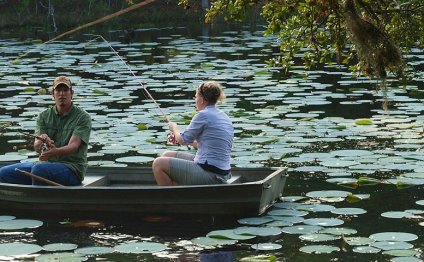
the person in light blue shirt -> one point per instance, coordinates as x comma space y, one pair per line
211, 132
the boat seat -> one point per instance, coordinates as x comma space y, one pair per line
94, 181
234, 179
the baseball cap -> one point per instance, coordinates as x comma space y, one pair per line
62, 80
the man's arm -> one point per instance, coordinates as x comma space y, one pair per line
70, 148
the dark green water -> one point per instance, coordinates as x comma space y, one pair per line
276, 117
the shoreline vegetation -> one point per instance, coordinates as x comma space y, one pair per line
37, 18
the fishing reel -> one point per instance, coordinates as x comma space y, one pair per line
44, 147
171, 139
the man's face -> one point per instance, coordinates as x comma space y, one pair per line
62, 95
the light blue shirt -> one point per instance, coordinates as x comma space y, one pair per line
214, 133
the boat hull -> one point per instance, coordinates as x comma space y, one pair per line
132, 191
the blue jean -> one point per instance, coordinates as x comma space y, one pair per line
57, 172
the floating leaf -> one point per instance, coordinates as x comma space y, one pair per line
319, 237
287, 212
62, 256
389, 245
94, 250
6, 218
353, 198
338, 231
99, 92
328, 194
363, 122
140, 247
142, 126
135, 159
362, 181
324, 222
18, 249
254, 220
358, 241
213, 242
394, 236
20, 224
319, 249
397, 214
259, 258
258, 231
348, 211
266, 246
366, 250
402, 253
301, 229
228, 234
60, 247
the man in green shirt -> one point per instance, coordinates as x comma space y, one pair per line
62, 135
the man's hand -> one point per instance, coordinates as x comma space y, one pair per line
46, 139
49, 153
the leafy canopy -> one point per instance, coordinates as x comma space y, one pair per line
374, 34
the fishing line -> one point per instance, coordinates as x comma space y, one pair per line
132, 72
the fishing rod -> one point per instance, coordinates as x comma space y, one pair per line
132, 73
44, 146
170, 138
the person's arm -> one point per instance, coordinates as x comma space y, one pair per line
68, 149
175, 129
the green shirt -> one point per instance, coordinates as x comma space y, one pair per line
76, 122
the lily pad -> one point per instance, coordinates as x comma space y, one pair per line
319, 237
12, 157
338, 231
349, 211
397, 214
389, 245
287, 212
402, 252
18, 249
254, 220
94, 250
135, 159
366, 250
60, 247
258, 231
140, 247
394, 236
6, 218
406, 259
20, 224
358, 241
328, 194
301, 229
266, 246
319, 249
213, 242
228, 234
259, 258
62, 256
324, 222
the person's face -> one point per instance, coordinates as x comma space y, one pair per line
200, 101
62, 95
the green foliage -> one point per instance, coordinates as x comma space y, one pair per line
364, 32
